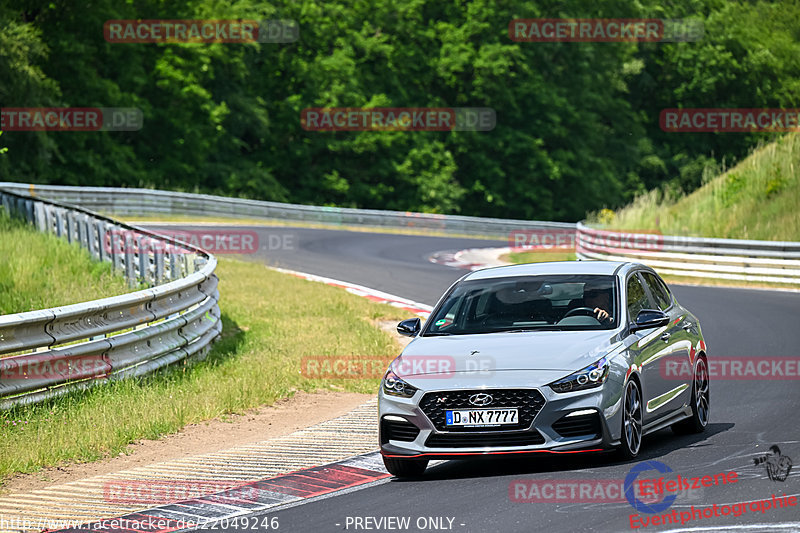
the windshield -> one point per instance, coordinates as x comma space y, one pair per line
527, 303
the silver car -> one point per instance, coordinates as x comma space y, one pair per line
562, 357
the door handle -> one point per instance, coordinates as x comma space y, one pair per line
665, 337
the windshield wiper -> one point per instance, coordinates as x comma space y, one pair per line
437, 334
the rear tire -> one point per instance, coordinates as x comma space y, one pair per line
405, 468
698, 422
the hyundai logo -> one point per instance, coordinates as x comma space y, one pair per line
481, 399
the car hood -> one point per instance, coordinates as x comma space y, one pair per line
556, 351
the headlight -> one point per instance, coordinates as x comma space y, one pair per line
395, 386
592, 376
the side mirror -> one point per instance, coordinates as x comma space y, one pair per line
650, 318
409, 327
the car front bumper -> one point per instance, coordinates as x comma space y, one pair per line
576, 422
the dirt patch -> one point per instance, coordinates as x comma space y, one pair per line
283, 417
390, 326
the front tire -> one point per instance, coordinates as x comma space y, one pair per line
631, 438
405, 468
698, 422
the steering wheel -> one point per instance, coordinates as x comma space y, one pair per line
588, 311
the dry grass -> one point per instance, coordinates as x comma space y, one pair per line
757, 199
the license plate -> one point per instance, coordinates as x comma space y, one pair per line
481, 417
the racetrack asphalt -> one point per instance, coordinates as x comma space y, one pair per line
747, 416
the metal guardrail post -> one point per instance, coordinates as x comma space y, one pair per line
59, 222
29, 211
69, 227
40, 215
130, 266
174, 273
158, 257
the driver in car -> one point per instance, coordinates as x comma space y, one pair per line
600, 302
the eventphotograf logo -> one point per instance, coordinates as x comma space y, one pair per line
638, 504
778, 466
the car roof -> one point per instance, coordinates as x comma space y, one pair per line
601, 268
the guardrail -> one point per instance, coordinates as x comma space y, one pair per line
48, 352
733, 259
127, 202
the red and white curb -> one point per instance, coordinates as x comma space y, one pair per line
473, 258
417, 308
223, 508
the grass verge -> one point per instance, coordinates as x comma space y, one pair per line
271, 322
33, 266
756, 199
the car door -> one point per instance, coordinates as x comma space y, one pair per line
667, 345
648, 347
680, 346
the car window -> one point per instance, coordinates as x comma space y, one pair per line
658, 290
524, 303
637, 297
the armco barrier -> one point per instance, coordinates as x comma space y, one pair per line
734, 259
132, 202
48, 352
684, 256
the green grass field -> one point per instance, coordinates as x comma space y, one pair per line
757, 199
271, 322
33, 266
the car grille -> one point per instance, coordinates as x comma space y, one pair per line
528, 401
578, 426
396, 430
479, 440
